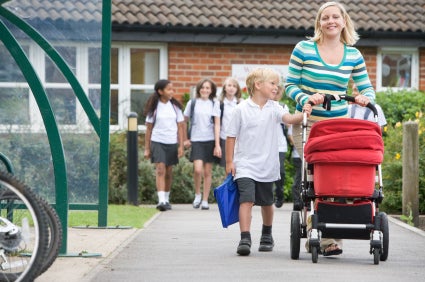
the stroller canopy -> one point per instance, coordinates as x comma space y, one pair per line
345, 140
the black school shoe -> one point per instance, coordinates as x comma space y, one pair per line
244, 247
266, 243
161, 207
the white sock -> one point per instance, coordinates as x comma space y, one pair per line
161, 197
167, 197
197, 198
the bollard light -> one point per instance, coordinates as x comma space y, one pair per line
132, 159
132, 121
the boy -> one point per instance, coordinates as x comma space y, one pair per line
255, 162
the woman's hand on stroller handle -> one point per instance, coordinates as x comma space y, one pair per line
327, 98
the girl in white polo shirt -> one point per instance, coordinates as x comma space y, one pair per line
230, 97
204, 115
252, 153
164, 137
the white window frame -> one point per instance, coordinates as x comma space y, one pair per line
124, 85
37, 58
414, 52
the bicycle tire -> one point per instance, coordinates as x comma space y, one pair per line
23, 250
55, 235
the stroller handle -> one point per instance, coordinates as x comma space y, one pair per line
351, 99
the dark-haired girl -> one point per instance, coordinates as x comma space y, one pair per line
164, 137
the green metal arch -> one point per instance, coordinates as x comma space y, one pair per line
100, 125
49, 120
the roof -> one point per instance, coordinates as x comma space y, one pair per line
223, 20
265, 15
57, 10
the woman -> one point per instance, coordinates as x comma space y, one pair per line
323, 65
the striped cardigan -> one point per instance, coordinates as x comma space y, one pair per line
309, 74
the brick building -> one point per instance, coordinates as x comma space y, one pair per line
208, 38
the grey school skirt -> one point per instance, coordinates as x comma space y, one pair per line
164, 153
203, 151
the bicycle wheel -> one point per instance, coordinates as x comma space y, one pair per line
55, 235
23, 231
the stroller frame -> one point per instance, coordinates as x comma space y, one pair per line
358, 219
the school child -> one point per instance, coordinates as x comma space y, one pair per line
252, 153
296, 186
230, 97
164, 137
283, 148
204, 131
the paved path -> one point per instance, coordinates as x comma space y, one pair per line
190, 245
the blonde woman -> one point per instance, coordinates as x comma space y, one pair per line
323, 65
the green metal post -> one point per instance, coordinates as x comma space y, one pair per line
105, 114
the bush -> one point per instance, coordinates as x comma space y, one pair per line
397, 106
400, 107
182, 190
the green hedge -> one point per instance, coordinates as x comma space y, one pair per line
398, 108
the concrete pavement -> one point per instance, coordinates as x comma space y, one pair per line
185, 244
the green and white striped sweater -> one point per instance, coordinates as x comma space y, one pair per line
309, 74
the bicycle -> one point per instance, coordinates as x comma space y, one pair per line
36, 240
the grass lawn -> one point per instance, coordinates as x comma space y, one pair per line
123, 215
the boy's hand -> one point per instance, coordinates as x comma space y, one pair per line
307, 109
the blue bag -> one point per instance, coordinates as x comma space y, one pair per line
227, 197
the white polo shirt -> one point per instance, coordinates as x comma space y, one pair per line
228, 107
256, 153
283, 145
359, 112
165, 127
203, 124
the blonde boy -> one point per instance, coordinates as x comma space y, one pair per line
255, 163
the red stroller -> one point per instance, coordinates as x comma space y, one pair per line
340, 169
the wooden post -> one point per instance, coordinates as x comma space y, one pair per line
411, 170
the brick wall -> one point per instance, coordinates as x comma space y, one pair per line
422, 69
190, 62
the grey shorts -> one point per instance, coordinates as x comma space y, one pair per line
260, 193
164, 153
203, 151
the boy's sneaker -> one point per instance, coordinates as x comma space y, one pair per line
266, 243
167, 206
161, 207
244, 247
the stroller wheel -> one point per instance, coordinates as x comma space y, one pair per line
314, 254
385, 236
376, 254
295, 235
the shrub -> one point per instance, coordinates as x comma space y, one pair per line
397, 106
400, 107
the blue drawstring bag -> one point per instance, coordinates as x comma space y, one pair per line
227, 197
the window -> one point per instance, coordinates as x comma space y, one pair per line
134, 71
398, 68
